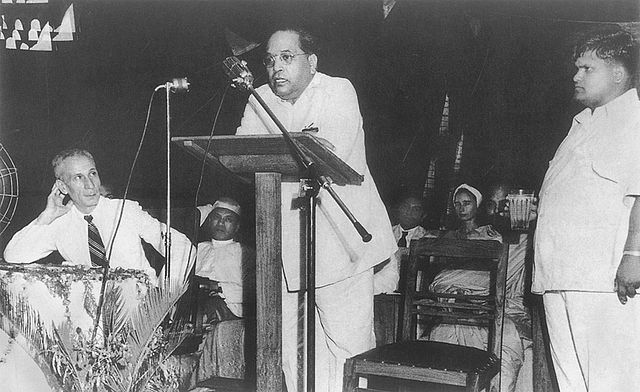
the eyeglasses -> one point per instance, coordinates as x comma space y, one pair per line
270, 60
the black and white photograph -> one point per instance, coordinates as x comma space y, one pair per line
319, 195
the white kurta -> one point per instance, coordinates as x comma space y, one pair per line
586, 199
222, 261
583, 219
331, 105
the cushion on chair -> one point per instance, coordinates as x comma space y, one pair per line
432, 355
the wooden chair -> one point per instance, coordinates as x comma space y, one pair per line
437, 362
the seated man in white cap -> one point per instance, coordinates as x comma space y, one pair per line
223, 259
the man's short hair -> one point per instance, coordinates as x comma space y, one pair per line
68, 153
309, 43
611, 43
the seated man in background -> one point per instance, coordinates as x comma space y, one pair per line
224, 260
410, 213
81, 225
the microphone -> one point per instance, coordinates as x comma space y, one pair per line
179, 85
176, 85
238, 72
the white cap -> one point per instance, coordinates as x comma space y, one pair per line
470, 189
227, 203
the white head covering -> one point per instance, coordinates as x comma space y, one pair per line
227, 203
471, 189
223, 202
204, 212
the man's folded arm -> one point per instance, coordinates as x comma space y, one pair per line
30, 244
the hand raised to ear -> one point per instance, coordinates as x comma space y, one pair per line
55, 206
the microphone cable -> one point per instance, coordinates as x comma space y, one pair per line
206, 152
131, 170
196, 229
105, 273
204, 105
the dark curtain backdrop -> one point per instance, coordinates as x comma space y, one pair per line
505, 65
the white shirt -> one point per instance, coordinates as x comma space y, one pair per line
68, 235
414, 233
331, 105
222, 261
586, 199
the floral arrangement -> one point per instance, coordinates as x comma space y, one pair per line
131, 346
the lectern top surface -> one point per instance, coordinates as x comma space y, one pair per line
248, 154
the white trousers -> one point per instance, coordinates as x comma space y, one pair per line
595, 341
344, 328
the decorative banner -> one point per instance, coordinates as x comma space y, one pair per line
37, 13
44, 41
67, 27
23, 1
35, 28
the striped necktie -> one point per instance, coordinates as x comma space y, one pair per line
96, 247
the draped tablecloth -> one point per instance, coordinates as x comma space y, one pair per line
50, 310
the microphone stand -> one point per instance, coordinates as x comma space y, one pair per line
176, 85
312, 184
168, 86
167, 238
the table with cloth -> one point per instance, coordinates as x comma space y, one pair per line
48, 311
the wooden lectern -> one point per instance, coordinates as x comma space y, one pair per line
268, 159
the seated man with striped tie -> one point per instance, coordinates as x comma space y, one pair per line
81, 225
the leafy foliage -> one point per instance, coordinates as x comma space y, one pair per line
132, 355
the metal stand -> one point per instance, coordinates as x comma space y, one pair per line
311, 192
175, 86
167, 237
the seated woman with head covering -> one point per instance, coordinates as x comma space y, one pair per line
467, 200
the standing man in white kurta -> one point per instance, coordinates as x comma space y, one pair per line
303, 98
587, 242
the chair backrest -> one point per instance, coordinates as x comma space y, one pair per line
429, 258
